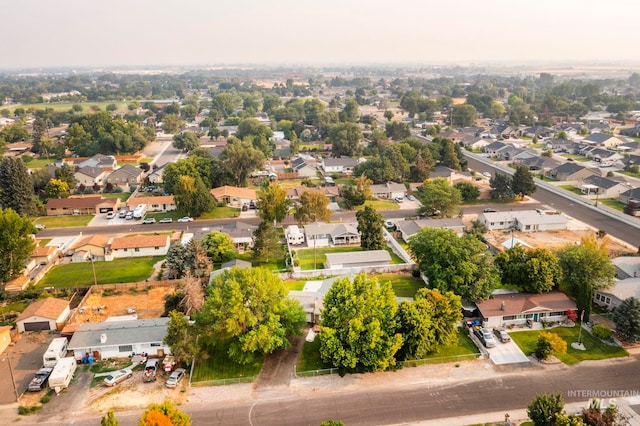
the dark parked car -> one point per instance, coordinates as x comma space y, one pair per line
502, 335
39, 381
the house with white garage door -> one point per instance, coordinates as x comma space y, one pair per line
44, 314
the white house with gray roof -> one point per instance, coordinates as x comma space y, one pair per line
321, 234
339, 164
409, 228
388, 190
524, 221
611, 298
120, 339
357, 259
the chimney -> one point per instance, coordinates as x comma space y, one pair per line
103, 338
502, 306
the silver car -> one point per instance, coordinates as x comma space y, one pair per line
175, 377
117, 376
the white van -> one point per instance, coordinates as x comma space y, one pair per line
294, 235
55, 352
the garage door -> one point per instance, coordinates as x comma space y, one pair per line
37, 326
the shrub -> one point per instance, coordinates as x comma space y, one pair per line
46, 398
601, 331
25, 411
549, 343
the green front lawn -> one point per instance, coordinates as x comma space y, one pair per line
572, 188
380, 205
16, 306
612, 203
117, 271
66, 221
595, 349
124, 196
310, 359
221, 213
216, 365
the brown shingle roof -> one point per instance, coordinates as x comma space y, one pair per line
522, 303
93, 240
139, 241
46, 308
233, 191
79, 203
43, 251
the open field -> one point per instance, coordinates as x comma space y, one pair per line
66, 106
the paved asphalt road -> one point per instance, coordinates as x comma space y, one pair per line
584, 214
511, 389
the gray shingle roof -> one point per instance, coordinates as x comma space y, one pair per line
119, 333
359, 257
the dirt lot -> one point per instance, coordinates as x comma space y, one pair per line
146, 304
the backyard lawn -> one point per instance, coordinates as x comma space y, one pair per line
66, 221
117, 271
404, 285
595, 349
216, 365
124, 196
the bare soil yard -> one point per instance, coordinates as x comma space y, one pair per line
145, 303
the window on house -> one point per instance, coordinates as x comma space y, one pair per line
608, 301
125, 348
509, 317
137, 249
157, 248
156, 344
125, 249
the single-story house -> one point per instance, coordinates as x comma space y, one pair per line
339, 164
524, 221
603, 187
303, 168
5, 337
89, 176
627, 266
453, 176
628, 195
408, 228
91, 245
120, 339
90, 204
138, 246
516, 308
572, 172
611, 298
233, 195
104, 162
126, 176
320, 234
44, 254
161, 203
493, 148
332, 192
155, 176
388, 190
241, 234
44, 314
357, 259
603, 140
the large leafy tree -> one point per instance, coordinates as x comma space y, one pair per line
250, 309
438, 195
463, 115
173, 172
522, 183
379, 170
452, 263
501, 186
359, 325
586, 267
535, 271
16, 243
627, 319
429, 322
14, 133
171, 123
16, 187
312, 207
253, 127
345, 138
181, 337
468, 191
164, 414
370, 225
240, 158
56, 188
273, 203
192, 196
219, 246
186, 141
266, 243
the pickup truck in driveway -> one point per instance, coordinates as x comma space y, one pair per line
40, 380
150, 370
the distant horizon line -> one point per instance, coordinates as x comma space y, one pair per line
293, 65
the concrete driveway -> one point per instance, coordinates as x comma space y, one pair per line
507, 353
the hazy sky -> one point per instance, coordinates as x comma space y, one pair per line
42, 33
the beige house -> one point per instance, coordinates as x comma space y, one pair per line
233, 195
126, 176
138, 246
44, 255
162, 203
91, 204
89, 176
518, 308
91, 245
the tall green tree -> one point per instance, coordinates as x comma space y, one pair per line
312, 207
429, 322
370, 227
450, 157
253, 127
250, 308
501, 186
16, 187
266, 243
164, 414
181, 337
186, 141
463, 115
522, 183
171, 123
173, 171
349, 112
273, 203
192, 196
535, 271
16, 243
240, 159
437, 196
468, 191
452, 263
219, 246
586, 267
109, 420
359, 325
56, 188
627, 319
345, 138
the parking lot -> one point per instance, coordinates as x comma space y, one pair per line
25, 358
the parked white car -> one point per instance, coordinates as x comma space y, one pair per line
185, 219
